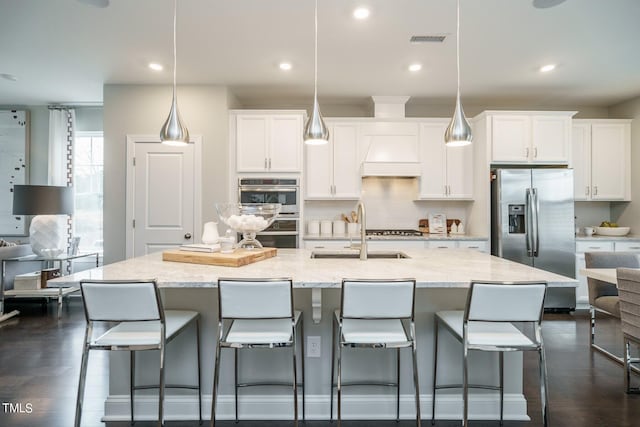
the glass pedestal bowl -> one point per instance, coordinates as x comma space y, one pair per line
248, 219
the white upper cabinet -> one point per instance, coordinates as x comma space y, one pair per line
331, 170
269, 142
601, 159
530, 137
447, 172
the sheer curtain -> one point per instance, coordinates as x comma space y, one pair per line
61, 132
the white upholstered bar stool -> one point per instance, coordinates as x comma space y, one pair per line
374, 314
486, 325
143, 324
258, 313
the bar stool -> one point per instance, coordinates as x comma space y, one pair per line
373, 314
257, 313
485, 325
143, 324
629, 289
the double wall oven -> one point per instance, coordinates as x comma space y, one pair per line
285, 230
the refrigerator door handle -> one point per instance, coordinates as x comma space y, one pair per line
528, 237
535, 209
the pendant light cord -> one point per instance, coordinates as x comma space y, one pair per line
315, 60
175, 12
458, 46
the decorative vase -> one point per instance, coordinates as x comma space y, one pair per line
210, 233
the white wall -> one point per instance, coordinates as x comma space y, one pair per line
628, 214
142, 109
389, 203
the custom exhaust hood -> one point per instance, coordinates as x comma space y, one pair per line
391, 148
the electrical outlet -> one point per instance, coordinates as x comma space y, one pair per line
313, 346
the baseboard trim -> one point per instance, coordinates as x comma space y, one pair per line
279, 407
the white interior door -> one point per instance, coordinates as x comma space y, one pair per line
163, 197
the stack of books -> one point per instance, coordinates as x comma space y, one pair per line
200, 247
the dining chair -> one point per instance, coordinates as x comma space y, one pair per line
629, 290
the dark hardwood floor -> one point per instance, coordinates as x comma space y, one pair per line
40, 359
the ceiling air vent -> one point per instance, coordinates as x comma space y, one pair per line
437, 38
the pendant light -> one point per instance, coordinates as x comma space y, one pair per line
315, 131
458, 132
173, 132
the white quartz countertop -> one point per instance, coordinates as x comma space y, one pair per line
432, 268
597, 237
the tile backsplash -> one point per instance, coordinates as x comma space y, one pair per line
389, 203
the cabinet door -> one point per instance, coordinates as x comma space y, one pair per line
441, 244
511, 138
318, 170
460, 172
550, 139
609, 159
285, 148
581, 160
346, 167
478, 245
433, 160
251, 143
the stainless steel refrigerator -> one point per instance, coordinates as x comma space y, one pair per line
532, 222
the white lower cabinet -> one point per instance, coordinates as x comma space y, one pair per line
390, 245
582, 291
326, 244
479, 245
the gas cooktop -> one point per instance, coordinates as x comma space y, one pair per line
400, 233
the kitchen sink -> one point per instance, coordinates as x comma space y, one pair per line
356, 255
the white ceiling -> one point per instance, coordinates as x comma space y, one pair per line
63, 51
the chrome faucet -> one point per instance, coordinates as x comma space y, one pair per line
362, 219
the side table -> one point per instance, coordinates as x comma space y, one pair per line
53, 292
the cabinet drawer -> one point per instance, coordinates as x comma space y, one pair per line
444, 244
593, 246
627, 246
479, 245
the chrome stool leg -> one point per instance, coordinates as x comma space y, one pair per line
416, 379
216, 380
132, 381
465, 386
333, 357
235, 380
544, 395
339, 385
162, 384
398, 385
83, 377
435, 370
304, 385
501, 374
294, 350
199, 373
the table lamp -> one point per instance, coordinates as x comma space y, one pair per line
46, 202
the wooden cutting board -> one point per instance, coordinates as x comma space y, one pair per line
238, 258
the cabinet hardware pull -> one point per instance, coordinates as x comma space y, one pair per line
526, 152
586, 190
269, 163
265, 162
473, 247
595, 190
634, 247
535, 152
595, 247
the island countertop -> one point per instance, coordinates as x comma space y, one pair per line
432, 268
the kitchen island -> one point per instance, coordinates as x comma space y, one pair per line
442, 279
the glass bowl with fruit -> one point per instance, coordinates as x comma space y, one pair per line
248, 219
608, 228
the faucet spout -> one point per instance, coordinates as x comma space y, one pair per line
362, 219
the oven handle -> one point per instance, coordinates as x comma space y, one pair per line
272, 189
277, 233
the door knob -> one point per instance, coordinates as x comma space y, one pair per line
187, 236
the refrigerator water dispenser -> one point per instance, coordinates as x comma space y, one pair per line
516, 219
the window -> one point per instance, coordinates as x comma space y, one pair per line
88, 171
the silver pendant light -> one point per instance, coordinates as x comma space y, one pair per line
173, 132
315, 131
458, 132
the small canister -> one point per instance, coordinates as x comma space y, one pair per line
313, 227
326, 228
339, 227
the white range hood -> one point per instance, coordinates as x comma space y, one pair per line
392, 147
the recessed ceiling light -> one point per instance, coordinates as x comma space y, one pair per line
361, 13
155, 66
547, 68
415, 67
9, 77
285, 66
